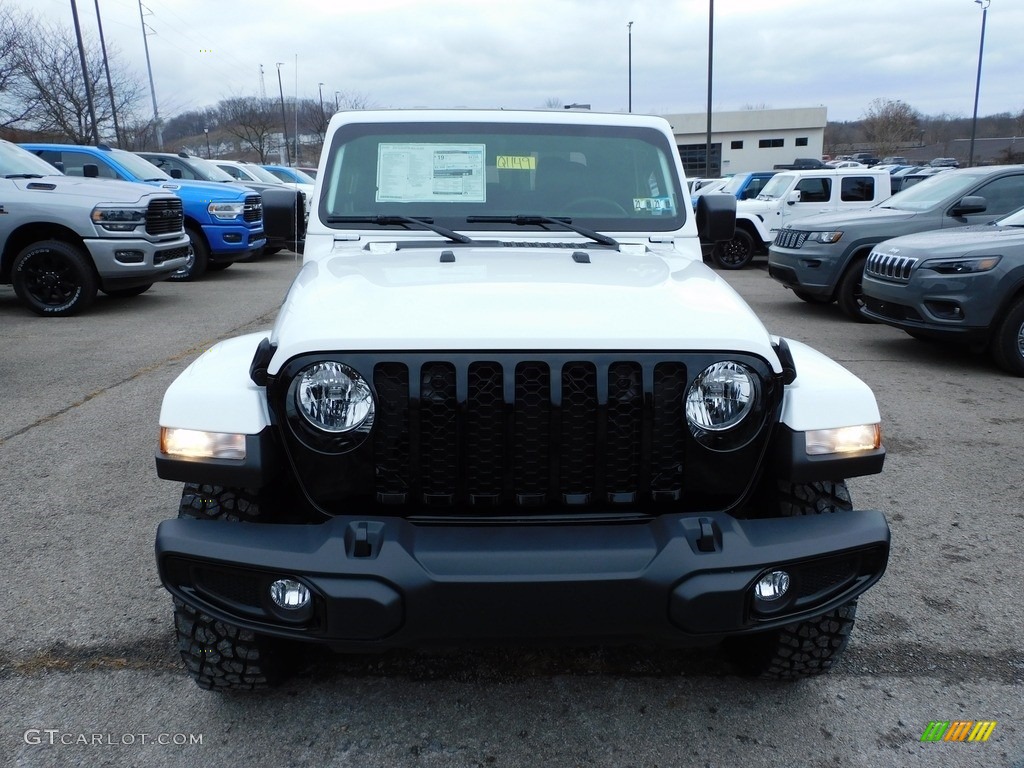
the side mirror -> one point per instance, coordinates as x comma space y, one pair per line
175, 173
90, 170
970, 204
58, 165
716, 217
794, 197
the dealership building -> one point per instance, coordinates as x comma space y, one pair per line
748, 140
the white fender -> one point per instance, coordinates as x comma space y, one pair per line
215, 393
825, 395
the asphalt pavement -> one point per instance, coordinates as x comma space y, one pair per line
89, 674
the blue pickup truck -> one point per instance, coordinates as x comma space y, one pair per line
224, 223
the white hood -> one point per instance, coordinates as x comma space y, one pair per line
501, 298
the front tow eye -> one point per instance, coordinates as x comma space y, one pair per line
706, 539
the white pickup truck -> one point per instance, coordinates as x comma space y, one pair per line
792, 195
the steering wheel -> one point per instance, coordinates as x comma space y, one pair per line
605, 202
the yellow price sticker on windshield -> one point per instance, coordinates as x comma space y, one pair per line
516, 163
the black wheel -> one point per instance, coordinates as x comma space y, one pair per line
810, 299
808, 647
54, 279
735, 253
124, 293
198, 258
221, 656
587, 203
1007, 346
850, 293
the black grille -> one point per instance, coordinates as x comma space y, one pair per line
161, 256
253, 210
164, 217
790, 238
500, 433
888, 266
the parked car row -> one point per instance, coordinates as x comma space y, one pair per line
943, 259
83, 219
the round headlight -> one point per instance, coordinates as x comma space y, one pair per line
334, 398
721, 397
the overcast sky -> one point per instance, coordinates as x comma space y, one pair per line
522, 53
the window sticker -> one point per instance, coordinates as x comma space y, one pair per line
653, 206
652, 183
415, 173
516, 163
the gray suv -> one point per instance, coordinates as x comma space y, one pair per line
963, 286
821, 258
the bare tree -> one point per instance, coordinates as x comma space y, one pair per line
13, 29
313, 118
889, 125
52, 90
353, 100
253, 121
552, 102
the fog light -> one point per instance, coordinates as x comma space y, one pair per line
129, 257
290, 594
772, 585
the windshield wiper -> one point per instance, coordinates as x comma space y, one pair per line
539, 220
425, 222
23, 176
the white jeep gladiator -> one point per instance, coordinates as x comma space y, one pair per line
505, 400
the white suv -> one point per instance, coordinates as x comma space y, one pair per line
505, 400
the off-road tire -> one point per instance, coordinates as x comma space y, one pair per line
54, 279
223, 657
810, 647
850, 292
198, 258
127, 293
1007, 346
736, 253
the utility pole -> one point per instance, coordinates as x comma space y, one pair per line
629, 30
157, 123
85, 73
284, 116
110, 84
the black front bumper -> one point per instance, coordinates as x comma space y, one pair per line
381, 582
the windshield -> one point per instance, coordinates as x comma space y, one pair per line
1015, 219
138, 167
597, 177
261, 173
734, 183
209, 171
931, 191
15, 161
291, 175
776, 187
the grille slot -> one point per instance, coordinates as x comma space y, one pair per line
790, 238
161, 256
164, 217
887, 266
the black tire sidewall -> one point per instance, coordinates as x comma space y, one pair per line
200, 258
741, 239
850, 285
1005, 345
86, 280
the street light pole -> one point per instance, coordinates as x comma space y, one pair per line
629, 29
209, 155
337, 104
977, 83
711, 48
321, 87
284, 116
